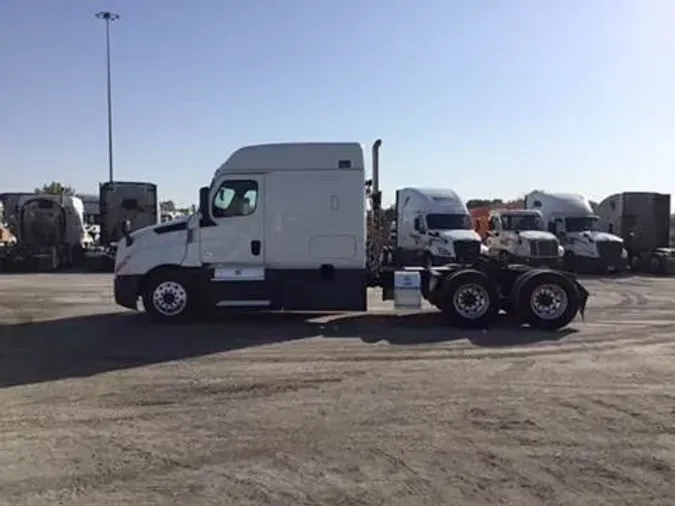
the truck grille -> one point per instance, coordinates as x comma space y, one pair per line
610, 250
543, 248
467, 251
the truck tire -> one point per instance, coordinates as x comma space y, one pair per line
544, 299
657, 264
469, 299
168, 297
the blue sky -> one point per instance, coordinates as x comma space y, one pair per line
488, 97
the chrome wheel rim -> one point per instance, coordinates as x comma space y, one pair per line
169, 298
471, 301
549, 301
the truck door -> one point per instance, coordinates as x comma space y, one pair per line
232, 247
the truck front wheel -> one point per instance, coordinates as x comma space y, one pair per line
167, 296
546, 300
469, 299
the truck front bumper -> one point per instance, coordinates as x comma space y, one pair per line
127, 291
592, 265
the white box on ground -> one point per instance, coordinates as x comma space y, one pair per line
407, 293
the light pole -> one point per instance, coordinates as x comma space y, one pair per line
108, 17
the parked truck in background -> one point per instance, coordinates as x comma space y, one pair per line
49, 232
643, 220
124, 201
120, 201
434, 227
571, 218
521, 236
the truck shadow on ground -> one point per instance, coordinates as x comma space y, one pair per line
93, 344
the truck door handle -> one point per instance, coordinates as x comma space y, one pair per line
255, 247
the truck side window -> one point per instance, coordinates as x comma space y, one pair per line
235, 198
492, 223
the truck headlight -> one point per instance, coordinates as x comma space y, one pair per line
624, 253
561, 251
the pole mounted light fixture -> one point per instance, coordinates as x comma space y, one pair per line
108, 17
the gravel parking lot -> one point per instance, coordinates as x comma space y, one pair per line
101, 407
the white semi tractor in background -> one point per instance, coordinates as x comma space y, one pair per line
434, 227
521, 235
571, 218
283, 227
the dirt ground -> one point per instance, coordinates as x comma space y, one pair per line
101, 407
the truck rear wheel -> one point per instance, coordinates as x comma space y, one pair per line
168, 296
656, 264
545, 300
469, 299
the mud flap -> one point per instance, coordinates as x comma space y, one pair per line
583, 293
583, 298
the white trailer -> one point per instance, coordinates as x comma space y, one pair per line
571, 218
520, 236
434, 227
283, 226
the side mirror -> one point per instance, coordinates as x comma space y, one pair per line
126, 232
204, 210
203, 199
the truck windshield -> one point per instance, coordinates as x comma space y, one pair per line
449, 222
522, 222
581, 223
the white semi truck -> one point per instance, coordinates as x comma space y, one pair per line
571, 218
434, 227
283, 227
520, 235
